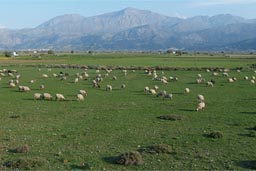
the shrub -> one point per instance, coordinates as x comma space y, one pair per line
170, 117
26, 163
129, 158
22, 149
215, 134
160, 148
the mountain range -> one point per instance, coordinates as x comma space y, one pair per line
137, 30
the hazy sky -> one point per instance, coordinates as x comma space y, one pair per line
31, 13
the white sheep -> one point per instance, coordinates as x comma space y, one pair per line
80, 97
200, 97
32, 81
114, 78
26, 88
199, 76
45, 76
231, 80
12, 85
253, 81
187, 90
76, 80
41, 86
246, 77
109, 88
37, 96
155, 87
152, 91
83, 92
168, 96
146, 89
209, 83
200, 106
47, 96
225, 74
123, 86
59, 96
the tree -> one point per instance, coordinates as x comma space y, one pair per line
7, 53
50, 52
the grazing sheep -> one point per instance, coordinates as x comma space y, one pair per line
238, 71
168, 96
54, 75
47, 96
16, 81
59, 97
114, 78
146, 89
18, 76
26, 89
152, 91
83, 92
123, 86
187, 90
207, 70
231, 80
225, 74
32, 81
215, 74
109, 88
45, 76
80, 97
199, 76
164, 81
12, 85
209, 83
76, 80
246, 77
253, 78
37, 96
155, 87
200, 98
161, 93
199, 81
253, 81
41, 86
200, 106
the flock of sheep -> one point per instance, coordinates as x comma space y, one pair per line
98, 79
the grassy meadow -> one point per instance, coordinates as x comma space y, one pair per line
90, 134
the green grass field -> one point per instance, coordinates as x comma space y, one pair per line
89, 134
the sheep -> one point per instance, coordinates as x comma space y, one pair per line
26, 89
225, 74
200, 98
199, 81
54, 75
253, 81
41, 86
59, 97
246, 77
114, 78
123, 86
80, 97
47, 96
155, 87
238, 71
231, 80
152, 91
45, 76
199, 76
164, 81
168, 96
83, 92
187, 90
16, 81
253, 77
207, 70
32, 81
200, 106
161, 93
215, 74
109, 88
37, 96
209, 83
76, 80
12, 85
146, 89
18, 76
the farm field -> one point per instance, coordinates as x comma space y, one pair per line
90, 134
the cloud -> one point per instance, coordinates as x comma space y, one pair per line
224, 2
2, 26
178, 15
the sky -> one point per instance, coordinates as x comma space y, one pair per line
17, 14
